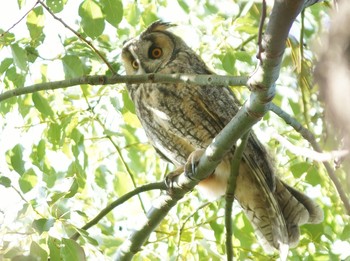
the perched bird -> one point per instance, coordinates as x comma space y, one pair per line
181, 119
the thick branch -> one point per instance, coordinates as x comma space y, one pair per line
151, 78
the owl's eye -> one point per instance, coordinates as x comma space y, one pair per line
135, 64
155, 52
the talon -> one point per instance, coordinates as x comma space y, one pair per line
169, 179
192, 162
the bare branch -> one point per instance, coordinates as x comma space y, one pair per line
119, 201
310, 138
310, 154
145, 78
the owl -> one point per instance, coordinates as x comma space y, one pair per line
182, 119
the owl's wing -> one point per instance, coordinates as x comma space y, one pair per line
275, 209
256, 185
220, 105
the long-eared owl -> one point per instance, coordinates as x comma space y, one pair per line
181, 118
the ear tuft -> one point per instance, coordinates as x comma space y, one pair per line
158, 26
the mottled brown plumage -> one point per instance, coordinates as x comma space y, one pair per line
182, 118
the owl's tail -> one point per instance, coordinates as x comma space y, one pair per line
297, 209
275, 209
273, 230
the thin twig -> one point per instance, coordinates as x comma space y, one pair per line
310, 138
121, 157
119, 152
119, 201
79, 36
8, 30
260, 33
26, 201
230, 194
182, 228
301, 74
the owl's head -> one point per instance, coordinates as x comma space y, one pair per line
152, 50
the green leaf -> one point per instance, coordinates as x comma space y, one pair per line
19, 57
13, 252
313, 176
113, 9
133, 15
299, 168
6, 39
86, 236
149, 14
54, 134
131, 119
72, 66
32, 53
345, 235
228, 62
72, 251
242, 56
13, 79
54, 248
5, 181
43, 224
42, 105
41, 149
56, 6
128, 104
100, 176
28, 180
73, 189
77, 136
5, 64
21, 3
50, 177
37, 252
92, 18
16, 159
35, 24
184, 5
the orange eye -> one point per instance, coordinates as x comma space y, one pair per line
135, 64
156, 53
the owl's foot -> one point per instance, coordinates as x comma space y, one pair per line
169, 179
192, 163
188, 169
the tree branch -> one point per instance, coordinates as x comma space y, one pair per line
310, 154
310, 138
230, 194
119, 201
145, 78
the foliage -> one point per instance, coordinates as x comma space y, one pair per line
68, 153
